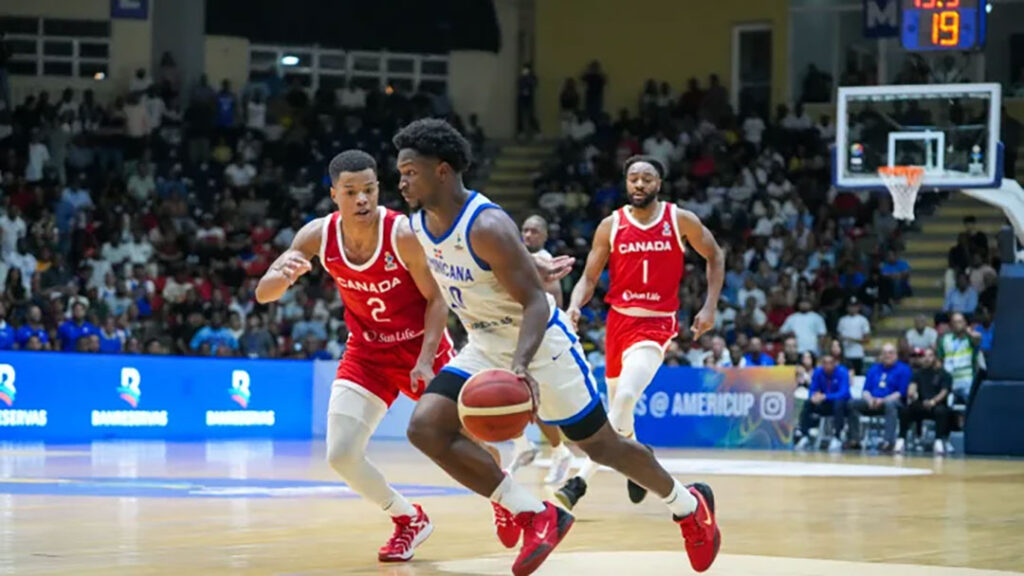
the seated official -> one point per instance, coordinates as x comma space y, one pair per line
885, 389
927, 399
829, 395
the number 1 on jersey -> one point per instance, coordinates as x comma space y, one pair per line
645, 271
379, 307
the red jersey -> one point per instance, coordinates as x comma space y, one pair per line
383, 307
646, 262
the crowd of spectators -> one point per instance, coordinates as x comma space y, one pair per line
809, 269
142, 225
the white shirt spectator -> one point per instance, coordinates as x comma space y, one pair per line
352, 97
136, 84
26, 263
703, 210
175, 291
114, 254
136, 120
779, 189
851, 329
38, 157
239, 175
807, 327
827, 131
753, 129
284, 238
756, 293
660, 148
725, 319
155, 109
923, 339
794, 122
13, 230
139, 252
580, 131
256, 116
141, 186
78, 198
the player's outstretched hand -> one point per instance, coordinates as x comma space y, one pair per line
574, 317
556, 268
702, 322
421, 375
293, 266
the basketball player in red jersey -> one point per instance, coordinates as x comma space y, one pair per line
644, 245
380, 271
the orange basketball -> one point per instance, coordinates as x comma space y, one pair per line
495, 405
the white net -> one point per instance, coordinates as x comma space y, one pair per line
903, 183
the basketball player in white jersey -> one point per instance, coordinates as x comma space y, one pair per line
487, 278
645, 235
535, 235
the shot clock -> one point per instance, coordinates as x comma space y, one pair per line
942, 24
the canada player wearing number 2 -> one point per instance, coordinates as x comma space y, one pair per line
484, 272
643, 245
395, 316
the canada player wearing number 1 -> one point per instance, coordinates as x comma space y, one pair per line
643, 245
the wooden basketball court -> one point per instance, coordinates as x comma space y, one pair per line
276, 508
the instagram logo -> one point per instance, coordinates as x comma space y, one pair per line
773, 405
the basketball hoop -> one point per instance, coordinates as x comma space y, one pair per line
903, 183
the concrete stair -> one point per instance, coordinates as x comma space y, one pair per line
510, 182
926, 253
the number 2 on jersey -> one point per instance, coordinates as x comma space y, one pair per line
379, 307
456, 295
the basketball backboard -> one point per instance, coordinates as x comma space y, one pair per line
951, 130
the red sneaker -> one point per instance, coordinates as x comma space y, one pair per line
410, 532
700, 530
506, 527
542, 531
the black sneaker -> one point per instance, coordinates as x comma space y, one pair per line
571, 492
637, 493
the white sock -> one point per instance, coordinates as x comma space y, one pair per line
639, 366
516, 498
680, 501
560, 451
399, 506
521, 444
588, 470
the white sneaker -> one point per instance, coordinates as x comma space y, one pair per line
524, 458
901, 445
802, 444
561, 459
835, 445
938, 448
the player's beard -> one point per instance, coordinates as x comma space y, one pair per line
644, 202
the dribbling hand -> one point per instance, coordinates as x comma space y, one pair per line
293, 267
525, 376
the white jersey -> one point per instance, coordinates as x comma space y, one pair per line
490, 315
568, 391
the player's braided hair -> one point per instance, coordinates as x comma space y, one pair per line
659, 167
437, 138
351, 161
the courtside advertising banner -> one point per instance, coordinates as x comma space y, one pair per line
718, 408
80, 397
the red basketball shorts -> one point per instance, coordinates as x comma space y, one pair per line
624, 332
384, 372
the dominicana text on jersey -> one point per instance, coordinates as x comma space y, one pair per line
490, 315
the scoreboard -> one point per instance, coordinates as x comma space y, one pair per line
942, 24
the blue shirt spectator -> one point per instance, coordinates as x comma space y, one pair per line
27, 331
71, 330
225, 106
111, 339
760, 359
986, 336
882, 380
6, 335
835, 386
962, 298
216, 334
